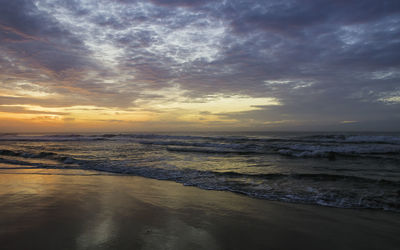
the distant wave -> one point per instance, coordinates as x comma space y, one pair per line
8, 134
27, 154
340, 138
306, 150
314, 146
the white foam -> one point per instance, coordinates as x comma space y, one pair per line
307, 150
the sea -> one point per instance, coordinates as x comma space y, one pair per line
346, 170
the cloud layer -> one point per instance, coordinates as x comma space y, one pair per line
298, 64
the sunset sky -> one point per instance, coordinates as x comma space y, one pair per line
126, 65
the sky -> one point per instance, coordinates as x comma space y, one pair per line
181, 65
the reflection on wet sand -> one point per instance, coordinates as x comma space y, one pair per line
59, 209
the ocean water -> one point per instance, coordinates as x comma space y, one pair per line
349, 170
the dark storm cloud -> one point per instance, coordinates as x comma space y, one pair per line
38, 48
290, 17
26, 32
184, 3
324, 60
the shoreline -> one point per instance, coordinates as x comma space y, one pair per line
77, 209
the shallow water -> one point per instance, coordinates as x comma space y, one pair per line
352, 170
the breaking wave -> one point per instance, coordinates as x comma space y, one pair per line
364, 181
324, 189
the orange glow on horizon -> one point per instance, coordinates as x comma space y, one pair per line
154, 114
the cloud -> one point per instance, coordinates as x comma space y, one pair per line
68, 119
24, 110
323, 61
183, 3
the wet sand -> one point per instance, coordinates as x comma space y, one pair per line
68, 209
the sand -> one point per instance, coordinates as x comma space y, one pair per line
68, 209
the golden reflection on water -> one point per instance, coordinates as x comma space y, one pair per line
104, 206
74, 209
20, 183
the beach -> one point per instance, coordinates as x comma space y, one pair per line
77, 209
197, 124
